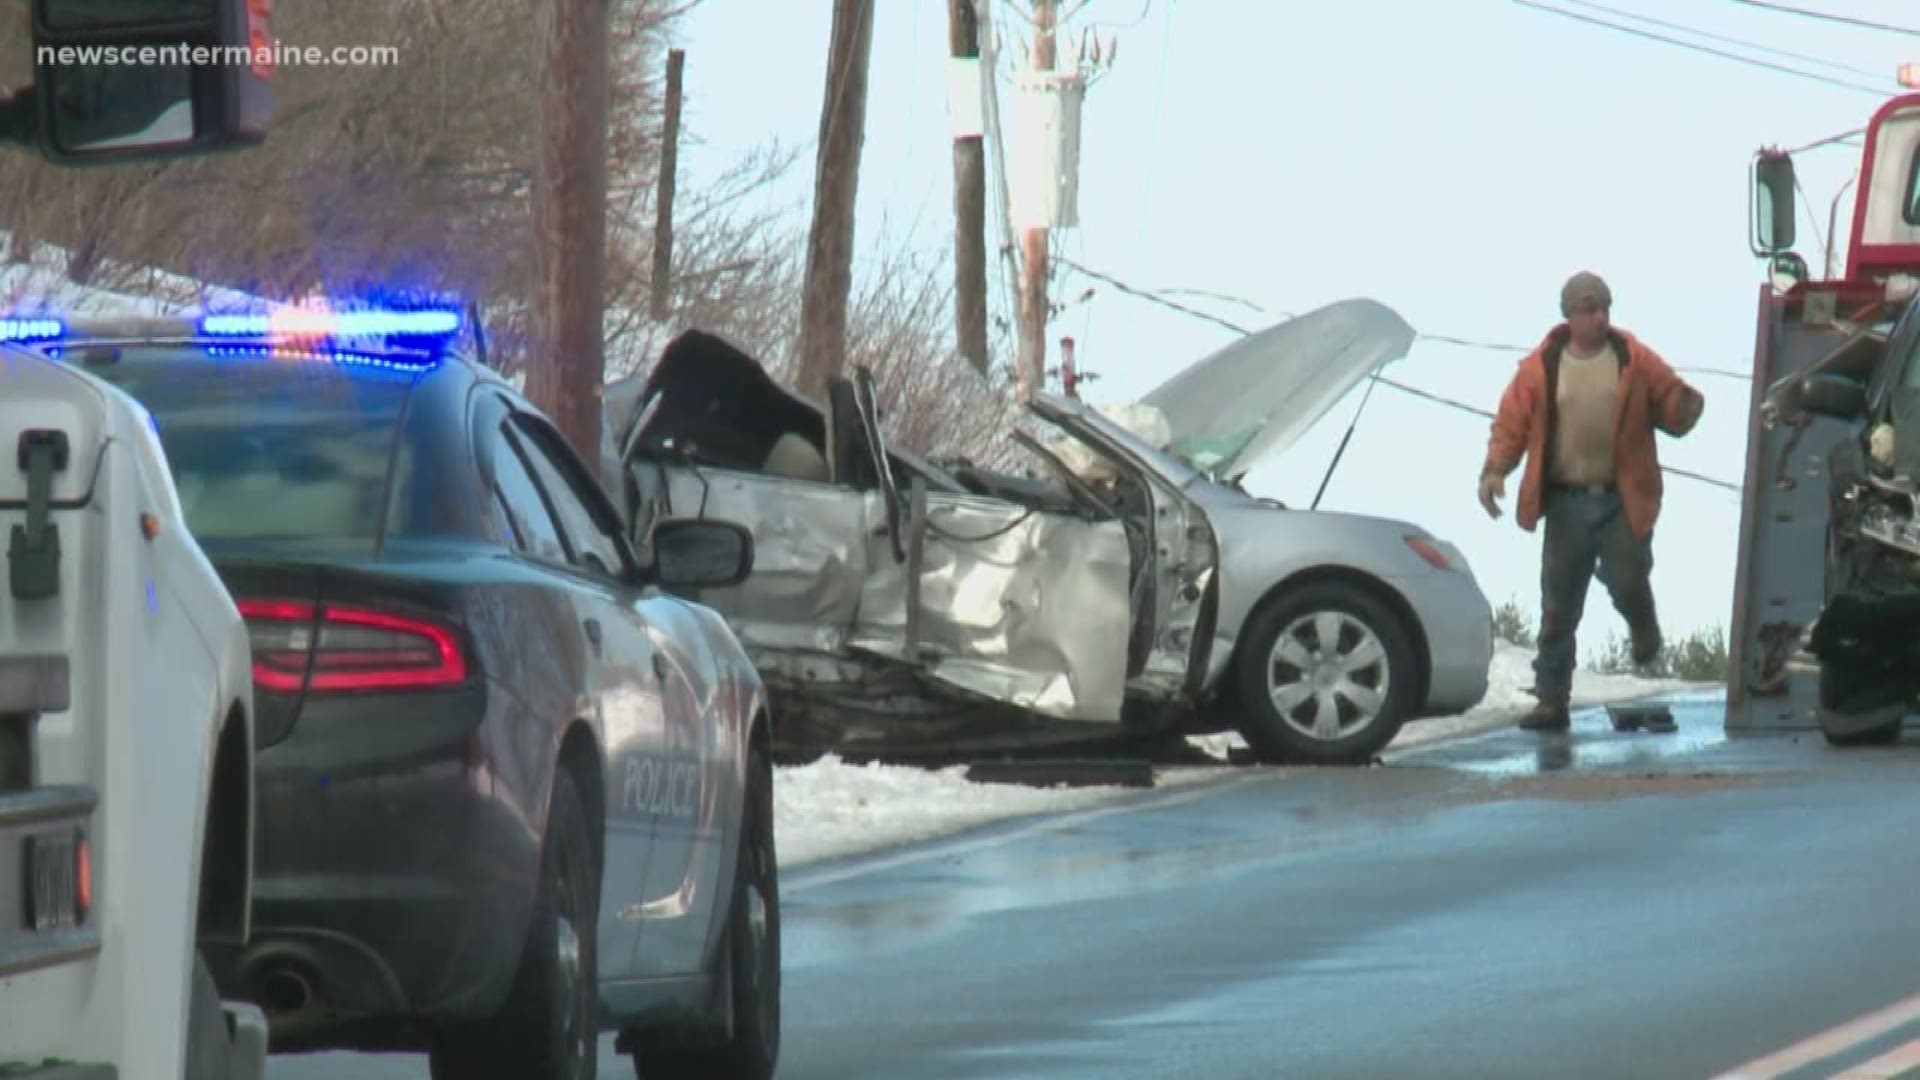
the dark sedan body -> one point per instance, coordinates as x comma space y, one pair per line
499, 767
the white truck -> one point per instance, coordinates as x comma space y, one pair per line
126, 748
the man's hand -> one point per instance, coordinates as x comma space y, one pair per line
1493, 488
1692, 404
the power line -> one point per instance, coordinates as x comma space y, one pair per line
1823, 16
1724, 39
1845, 138
1155, 297
1404, 388
1708, 49
1160, 297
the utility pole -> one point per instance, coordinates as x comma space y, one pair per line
843, 122
1030, 375
969, 197
660, 289
570, 219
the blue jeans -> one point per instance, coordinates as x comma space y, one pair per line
1586, 528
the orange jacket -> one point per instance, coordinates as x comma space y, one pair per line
1650, 396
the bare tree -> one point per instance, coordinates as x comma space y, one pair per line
415, 176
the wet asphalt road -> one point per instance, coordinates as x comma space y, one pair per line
1512, 905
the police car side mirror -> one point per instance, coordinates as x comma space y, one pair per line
700, 554
117, 83
1833, 396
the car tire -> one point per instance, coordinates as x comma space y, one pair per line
751, 953
1848, 718
209, 1044
1373, 649
1845, 724
549, 1028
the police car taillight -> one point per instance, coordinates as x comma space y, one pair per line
335, 648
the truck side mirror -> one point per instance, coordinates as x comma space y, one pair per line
1773, 203
115, 83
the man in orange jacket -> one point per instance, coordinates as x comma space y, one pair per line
1582, 409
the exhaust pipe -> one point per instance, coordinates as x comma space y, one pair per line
284, 990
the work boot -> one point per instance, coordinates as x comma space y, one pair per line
1647, 642
1550, 714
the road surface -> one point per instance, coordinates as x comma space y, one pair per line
1512, 905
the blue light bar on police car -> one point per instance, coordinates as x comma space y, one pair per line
343, 324
31, 329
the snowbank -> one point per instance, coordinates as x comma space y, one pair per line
34, 282
829, 809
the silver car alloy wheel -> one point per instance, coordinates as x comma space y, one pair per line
1328, 675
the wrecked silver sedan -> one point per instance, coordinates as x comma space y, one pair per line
1135, 594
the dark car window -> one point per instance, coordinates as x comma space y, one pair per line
595, 549
520, 499
266, 450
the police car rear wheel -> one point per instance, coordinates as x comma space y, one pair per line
549, 1027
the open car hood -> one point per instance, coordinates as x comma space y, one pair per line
1259, 394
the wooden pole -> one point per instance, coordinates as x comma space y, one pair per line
1031, 373
660, 288
969, 206
829, 275
570, 219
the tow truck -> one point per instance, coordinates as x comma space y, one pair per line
1820, 521
126, 707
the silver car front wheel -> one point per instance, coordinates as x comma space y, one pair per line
1326, 676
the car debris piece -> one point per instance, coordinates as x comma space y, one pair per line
1063, 773
1653, 718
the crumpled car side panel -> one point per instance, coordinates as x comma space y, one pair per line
1018, 606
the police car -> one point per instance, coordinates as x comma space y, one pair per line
126, 748
514, 792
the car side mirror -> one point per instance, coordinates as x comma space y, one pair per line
115, 83
690, 554
1773, 203
1833, 396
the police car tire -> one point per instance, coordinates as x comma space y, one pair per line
528, 1039
208, 1042
753, 1052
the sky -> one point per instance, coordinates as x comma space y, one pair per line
1454, 159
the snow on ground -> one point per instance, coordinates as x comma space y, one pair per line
830, 809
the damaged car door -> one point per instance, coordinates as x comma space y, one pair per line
682, 458
1174, 550
865, 557
1010, 602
